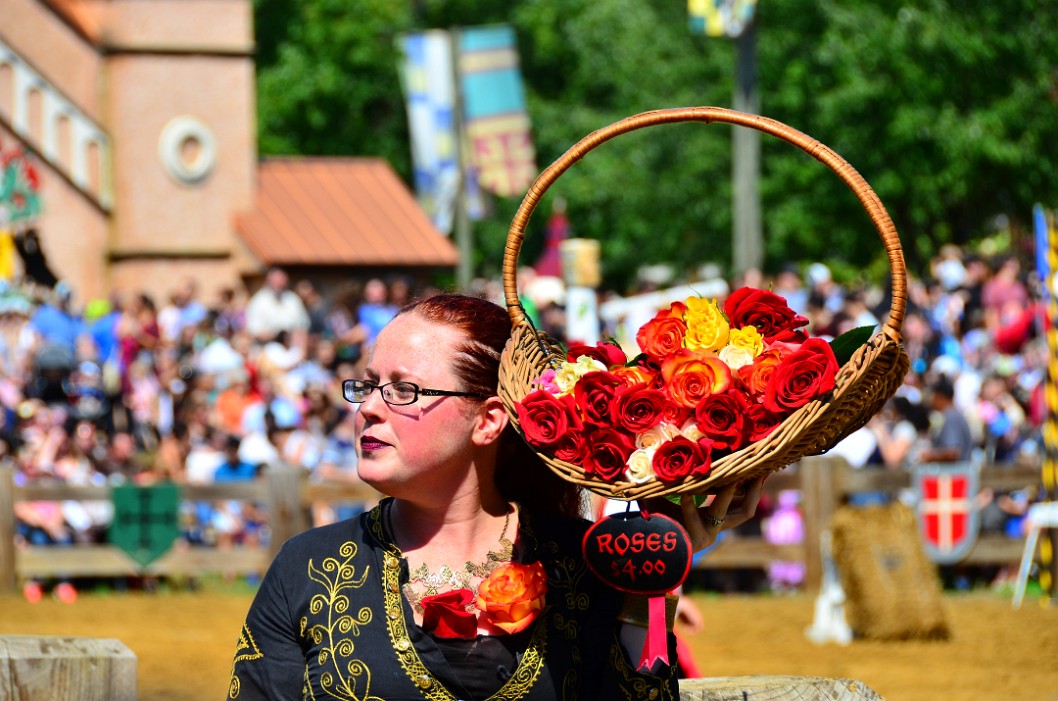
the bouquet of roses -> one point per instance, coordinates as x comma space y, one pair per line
708, 382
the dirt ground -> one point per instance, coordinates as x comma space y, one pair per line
184, 642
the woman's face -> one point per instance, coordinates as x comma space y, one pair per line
422, 448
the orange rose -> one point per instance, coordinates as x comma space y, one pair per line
664, 333
755, 377
689, 378
513, 595
633, 375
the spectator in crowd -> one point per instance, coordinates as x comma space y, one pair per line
275, 308
375, 311
952, 441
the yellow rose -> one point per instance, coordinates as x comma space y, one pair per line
707, 328
569, 374
640, 466
736, 357
747, 337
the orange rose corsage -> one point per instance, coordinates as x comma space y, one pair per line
513, 595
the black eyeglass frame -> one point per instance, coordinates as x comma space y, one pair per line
349, 385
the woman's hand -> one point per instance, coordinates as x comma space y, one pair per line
723, 512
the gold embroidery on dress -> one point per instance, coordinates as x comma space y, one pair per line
638, 683
245, 650
517, 687
335, 634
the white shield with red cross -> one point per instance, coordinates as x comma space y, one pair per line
948, 518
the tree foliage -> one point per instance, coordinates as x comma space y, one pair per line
947, 108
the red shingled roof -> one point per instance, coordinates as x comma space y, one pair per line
339, 211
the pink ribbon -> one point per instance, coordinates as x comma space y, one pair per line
656, 645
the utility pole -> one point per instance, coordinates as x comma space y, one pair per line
464, 236
747, 238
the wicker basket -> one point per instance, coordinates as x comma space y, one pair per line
862, 386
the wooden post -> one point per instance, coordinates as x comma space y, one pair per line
776, 688
8, 578
33, 668
288, 518
821, 498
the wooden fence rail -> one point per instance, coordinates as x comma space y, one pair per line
288, 493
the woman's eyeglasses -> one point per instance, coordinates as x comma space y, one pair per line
395, 393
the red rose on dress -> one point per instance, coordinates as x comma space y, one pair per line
595, 394
801, 377
766, 311
761, 421
446, 614
722, 417
638, 408
606, 451
664, 333
609, 354
677, 458
545, 418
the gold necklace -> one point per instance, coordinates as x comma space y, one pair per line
446, 579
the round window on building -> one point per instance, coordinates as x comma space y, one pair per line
187, 149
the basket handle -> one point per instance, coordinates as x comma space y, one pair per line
867, 197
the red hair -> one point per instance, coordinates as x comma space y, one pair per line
520, 475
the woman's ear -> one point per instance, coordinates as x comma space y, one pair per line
492, 419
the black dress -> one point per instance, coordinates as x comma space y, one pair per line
330, 622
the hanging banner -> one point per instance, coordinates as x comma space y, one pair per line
429, 89
720, 18
495, 118
428, 80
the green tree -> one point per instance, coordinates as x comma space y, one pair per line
946, 107
327, 78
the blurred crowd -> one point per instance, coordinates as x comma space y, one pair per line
196, 391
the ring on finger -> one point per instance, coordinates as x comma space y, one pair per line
713, 521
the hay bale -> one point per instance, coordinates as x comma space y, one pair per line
892, 589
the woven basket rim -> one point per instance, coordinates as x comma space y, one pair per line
885, 340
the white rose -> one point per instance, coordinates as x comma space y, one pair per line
736, 357
653, 437
691, 431
640, 466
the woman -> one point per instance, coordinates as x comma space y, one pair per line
350, 610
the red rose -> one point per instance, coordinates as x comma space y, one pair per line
609, 354
594, 394
664, 333
545, 418
676, 414
677, 458
446, 614
801, 377
767, 311
606, 450
638, 408
761, 421
721, 417
570, 447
